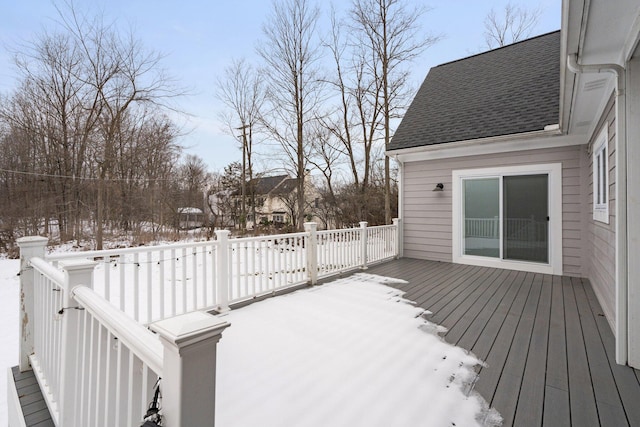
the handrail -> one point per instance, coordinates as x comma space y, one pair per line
120, 251
142, 342
49, 271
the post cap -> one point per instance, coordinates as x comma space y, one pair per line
30, 241
189, 328
77, 264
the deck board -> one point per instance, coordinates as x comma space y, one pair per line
35, 410
548, 349
532, 387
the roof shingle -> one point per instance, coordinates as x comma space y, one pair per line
509, 90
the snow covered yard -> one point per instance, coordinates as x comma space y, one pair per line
348, 353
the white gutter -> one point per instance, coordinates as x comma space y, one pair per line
621, 200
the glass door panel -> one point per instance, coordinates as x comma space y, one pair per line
525, 227
481, 222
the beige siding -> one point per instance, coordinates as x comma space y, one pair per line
600, 254
427, 214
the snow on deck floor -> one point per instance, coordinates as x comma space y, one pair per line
348, 353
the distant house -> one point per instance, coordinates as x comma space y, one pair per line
275, 200
527, 157
189, 218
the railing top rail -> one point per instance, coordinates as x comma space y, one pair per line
382, 226
339, 230
57, 276
269, 237
142, 342
121, 251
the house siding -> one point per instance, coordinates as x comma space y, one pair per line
427, 215
600, 253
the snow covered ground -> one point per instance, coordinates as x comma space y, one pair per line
348, 353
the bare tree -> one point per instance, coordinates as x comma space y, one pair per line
87, 112
291, 51
514, 24
354, 123
242, 92
390, 31
123, 76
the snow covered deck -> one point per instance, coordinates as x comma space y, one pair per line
548, 348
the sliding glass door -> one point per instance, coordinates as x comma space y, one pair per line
482, 217
526, 218
506, 217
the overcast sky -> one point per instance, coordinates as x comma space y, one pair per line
200, 38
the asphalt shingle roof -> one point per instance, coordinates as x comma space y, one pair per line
509, 90
287, 186
265, 185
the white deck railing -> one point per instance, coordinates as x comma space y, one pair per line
159, 282
85, 315
522, 230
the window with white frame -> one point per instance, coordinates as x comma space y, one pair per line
601, 177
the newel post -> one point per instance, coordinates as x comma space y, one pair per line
30, 247
78, 273
222, 279
363, 244
189, 370
312, 251
399, 237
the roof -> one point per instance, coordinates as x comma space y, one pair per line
509, 90
287, 186
267, 184
189, 210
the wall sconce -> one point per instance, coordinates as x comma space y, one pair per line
439, 187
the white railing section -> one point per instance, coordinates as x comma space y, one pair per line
262, 265
382, 243
154, 282
119, 364
340, 250
482, 227
95, 364
49, 286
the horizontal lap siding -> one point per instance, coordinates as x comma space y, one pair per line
427, 214
601, 237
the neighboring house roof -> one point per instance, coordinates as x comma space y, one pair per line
189, 210
509, 90
267, 184
286, 187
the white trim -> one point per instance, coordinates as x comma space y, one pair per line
15, 416
495, 145
554, 171
600, 177
633, 39
632, 177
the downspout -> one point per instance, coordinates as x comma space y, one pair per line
400, 204
621, 200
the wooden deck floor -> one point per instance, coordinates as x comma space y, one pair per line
548, 349
34, 408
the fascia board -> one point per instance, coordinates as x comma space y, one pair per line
477, 147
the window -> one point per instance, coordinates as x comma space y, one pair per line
601, 177
509, 217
